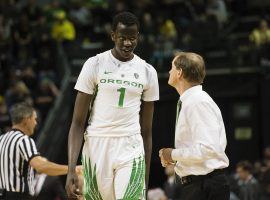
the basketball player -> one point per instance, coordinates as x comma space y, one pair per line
121, 89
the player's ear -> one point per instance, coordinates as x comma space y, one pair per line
139, 37
113, 36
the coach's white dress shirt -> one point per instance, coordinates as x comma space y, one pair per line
200, 138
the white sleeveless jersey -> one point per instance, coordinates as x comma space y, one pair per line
120, 87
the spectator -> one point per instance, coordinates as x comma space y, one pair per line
5, 49
265, 185
42, 35
197, 8
51, 9
4, 116
157, 57
82, 19
248, 186
233, 196
29, 77
23, 39
260, 35
63, 30
266, 157
17, 92
18, 61
168, 30
218, 9
149, 28
32, 11
45, 61
45, 95
260, 44
5, 27
10, 8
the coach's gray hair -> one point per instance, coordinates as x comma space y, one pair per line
193, 66
20, 111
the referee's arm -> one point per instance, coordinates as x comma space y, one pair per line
42, 165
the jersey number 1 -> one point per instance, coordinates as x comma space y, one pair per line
121, 97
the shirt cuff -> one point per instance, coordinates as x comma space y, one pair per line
84, 90
34, 155
174, 155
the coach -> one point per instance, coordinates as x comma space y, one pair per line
19, 156
200, 139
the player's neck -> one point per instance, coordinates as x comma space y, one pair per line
118, 57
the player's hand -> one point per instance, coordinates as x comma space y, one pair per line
72, 186
79, 170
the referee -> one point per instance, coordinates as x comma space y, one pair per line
19, 156
200, 138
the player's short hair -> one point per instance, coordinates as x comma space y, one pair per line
192, 65
126, 18
20, 111
245, 165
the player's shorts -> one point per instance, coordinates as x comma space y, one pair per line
114, 168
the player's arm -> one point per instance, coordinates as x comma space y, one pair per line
75, 138
76, 131
146, 118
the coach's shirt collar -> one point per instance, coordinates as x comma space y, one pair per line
190, 91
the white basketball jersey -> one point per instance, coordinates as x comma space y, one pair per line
120, 87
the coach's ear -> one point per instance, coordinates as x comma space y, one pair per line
179, 73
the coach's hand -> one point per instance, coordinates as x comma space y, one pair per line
72, 185
165, 155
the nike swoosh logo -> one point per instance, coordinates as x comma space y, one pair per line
107, 72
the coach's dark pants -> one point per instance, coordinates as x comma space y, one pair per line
208, 188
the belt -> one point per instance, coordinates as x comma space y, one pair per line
194, 178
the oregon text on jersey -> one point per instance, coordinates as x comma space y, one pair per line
122, 82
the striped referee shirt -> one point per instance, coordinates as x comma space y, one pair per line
16, 151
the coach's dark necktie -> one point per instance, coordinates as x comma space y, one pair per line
178, 108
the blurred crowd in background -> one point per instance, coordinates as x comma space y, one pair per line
225, 32
29, 33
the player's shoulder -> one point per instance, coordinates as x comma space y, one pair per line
95, 60
144, 64
103, 55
